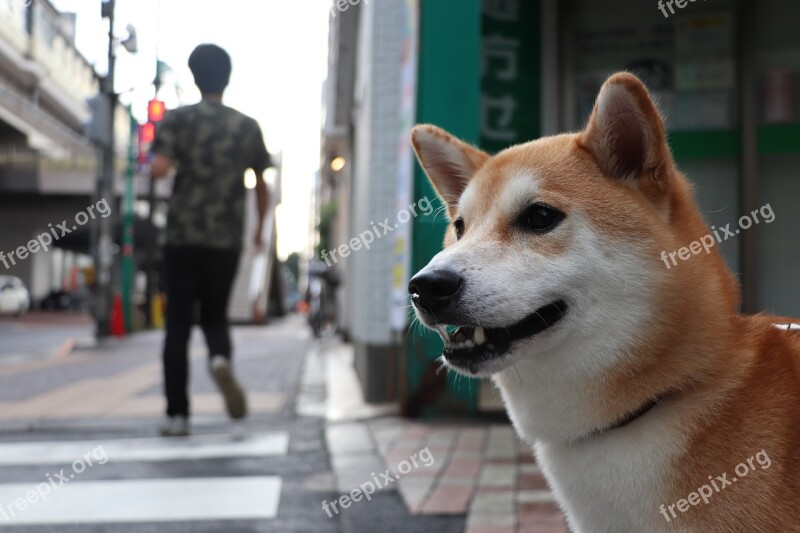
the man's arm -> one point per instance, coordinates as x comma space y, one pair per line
262, 202
260, 162
164, 147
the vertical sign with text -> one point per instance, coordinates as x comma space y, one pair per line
510, 73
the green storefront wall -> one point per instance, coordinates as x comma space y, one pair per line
450, 89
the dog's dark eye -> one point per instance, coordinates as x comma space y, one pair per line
458, 224
541, 218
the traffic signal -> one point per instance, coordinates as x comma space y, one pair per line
147, 133
156, 110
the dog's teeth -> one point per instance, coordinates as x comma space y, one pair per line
480, 336
470, 344
443, 333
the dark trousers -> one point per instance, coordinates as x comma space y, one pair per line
194, 276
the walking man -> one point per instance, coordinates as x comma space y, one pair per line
211, 146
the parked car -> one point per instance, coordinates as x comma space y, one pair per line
14, 297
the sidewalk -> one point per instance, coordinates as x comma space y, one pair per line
309, 439
480, 471
121, 378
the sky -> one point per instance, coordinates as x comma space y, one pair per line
279, 53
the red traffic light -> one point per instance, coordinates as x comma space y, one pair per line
156, 110
147, 133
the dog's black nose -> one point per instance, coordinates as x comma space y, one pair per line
434, 290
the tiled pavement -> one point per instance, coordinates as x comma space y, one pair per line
481, 471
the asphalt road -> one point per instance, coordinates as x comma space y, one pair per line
40, 335
270, 472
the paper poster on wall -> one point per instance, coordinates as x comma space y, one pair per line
704, 52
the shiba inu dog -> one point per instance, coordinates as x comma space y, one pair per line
651, 403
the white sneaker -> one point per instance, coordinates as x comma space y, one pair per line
235, 401
175, 426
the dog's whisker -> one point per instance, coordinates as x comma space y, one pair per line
519, 377
440, 210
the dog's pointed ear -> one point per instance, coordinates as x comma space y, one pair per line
448, 162
625, 133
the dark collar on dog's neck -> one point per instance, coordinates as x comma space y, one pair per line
632, 416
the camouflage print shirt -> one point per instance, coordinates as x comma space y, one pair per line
212, 146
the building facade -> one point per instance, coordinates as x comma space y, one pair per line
48, 168
726, 75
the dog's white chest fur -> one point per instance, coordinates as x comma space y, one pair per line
613, 482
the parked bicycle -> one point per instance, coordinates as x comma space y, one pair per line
322, 283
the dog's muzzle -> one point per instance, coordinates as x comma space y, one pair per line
436, 295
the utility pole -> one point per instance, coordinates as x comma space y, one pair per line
105, 189
152, 244
128, 273
150, 252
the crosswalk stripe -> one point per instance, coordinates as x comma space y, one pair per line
160, 500
146, 449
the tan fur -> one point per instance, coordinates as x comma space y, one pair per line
732, 380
